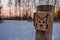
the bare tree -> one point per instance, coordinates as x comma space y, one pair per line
10, 4
0, 11
19, 4
0, 6
15, 7
40, 2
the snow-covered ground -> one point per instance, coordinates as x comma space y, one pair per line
56, 31
23, 30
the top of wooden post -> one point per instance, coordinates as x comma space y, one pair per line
46, 8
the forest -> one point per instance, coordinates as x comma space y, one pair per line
22, 9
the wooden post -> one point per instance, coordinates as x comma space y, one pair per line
43, 33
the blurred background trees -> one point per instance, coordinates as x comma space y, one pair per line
24, 9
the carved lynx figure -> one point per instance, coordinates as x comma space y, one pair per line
42, 21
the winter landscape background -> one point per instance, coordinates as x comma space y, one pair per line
23, 30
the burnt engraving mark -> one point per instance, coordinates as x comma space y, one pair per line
42, 22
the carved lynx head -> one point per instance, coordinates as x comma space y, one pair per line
42, 21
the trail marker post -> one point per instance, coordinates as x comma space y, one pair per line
43, 22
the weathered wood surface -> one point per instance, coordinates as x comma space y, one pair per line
45, 35
42, 21
41, 35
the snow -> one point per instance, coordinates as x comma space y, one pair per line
56, 31
23, 30
16, 30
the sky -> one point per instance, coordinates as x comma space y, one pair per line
5, 2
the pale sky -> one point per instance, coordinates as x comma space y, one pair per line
5, 2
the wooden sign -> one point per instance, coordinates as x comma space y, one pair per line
42, 21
